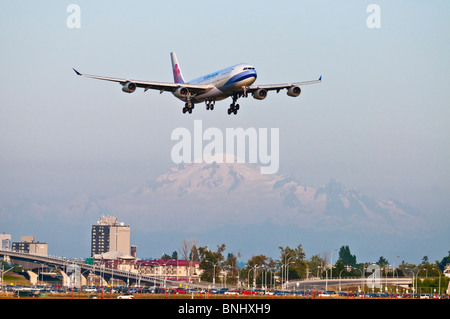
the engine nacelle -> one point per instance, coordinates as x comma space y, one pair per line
294, 91
260, 94
129, 87
181, 92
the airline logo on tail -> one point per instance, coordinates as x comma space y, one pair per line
177, 74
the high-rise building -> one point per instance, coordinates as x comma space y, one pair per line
5, 241
29, 245
110, 235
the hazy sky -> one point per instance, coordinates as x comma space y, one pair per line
378, 122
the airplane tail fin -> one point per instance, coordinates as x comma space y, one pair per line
177, 75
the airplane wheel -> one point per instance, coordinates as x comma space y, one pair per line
229, 111
190, 111
211, 107
235, 111
237, 107
184, 110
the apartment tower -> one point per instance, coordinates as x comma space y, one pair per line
110, 235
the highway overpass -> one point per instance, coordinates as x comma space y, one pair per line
345, 283
64, 266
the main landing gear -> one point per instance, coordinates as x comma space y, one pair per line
210, 104
188, 107
233, 106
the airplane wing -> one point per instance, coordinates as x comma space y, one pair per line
161, 86
279, 87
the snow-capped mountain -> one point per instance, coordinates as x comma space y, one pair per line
198, 197
226, 203
195, 198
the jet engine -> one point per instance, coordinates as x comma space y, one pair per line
129, 87
181, 92
260, 94
294, 91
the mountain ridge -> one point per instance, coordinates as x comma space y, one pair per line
220, 194
194, 198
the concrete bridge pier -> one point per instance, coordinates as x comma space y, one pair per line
33, 277
69, 281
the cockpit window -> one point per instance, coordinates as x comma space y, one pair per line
249, 68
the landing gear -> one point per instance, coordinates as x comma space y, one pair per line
188, 110
233, 109
210, 104
233, 106
188, 107
245, 93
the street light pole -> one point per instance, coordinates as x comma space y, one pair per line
4, 272
345, 268
287, 270
214, 271
414, 290
331, 261
417, 275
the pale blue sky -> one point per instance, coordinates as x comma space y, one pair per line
378, 122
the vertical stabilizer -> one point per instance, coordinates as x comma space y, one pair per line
177, 75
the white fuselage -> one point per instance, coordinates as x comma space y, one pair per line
226, 82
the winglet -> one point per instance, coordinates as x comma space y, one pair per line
78, 73
320, 79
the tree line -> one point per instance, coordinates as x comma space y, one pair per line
293, 264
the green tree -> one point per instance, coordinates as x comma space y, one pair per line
340, 269
346, 257
444, 262
194, 256
294, 260
382, 261
313, 265
231, 265
255, 266
211, 262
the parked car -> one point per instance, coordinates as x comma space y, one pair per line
125, 297
180, 291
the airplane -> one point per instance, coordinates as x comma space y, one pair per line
235, 82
